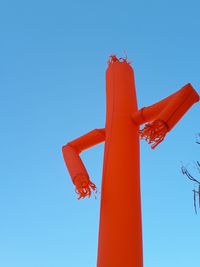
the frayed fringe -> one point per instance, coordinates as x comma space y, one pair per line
112, 59
154, 132
84, 186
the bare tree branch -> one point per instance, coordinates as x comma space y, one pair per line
196, 192
186, 172
198, 138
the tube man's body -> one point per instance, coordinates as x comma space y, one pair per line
120, 229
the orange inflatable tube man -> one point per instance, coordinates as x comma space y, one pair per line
120, 229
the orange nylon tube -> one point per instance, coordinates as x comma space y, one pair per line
120, 229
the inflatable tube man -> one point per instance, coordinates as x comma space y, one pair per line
120, 228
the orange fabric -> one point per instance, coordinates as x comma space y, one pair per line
74, 163
163, 116
120, 229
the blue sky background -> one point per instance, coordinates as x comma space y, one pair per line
53, 57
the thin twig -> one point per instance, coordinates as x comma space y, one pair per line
187, 173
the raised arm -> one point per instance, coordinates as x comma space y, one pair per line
161, 117
75, 166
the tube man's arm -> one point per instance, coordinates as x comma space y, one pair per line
161, 117
74, 163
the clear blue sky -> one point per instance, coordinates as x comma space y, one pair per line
53, 57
